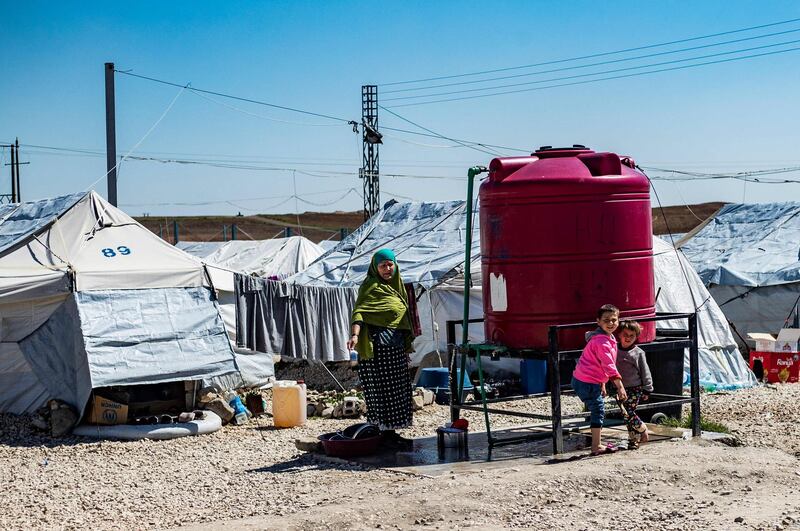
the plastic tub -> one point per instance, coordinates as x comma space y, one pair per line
336, 445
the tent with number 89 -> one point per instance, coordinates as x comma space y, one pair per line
90, 298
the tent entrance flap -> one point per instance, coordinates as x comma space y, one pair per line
153, 335
126, 337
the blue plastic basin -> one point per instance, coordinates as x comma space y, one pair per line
439, 378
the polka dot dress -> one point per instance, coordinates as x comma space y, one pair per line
387, 387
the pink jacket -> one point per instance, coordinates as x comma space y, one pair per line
598, 361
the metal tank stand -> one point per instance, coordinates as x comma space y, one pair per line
554, 357
556, 424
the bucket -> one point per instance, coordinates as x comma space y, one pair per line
533, 376
452, 443
437, 379
289, 404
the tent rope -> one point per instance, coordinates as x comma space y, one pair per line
672, 242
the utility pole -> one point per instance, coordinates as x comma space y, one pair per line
14, 196
369, 171
111, 136
13, 174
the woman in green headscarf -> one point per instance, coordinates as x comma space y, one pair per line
382, 335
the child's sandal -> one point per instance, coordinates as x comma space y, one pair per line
608, 449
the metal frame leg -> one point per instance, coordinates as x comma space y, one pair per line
554, 376
694, 375
485, 405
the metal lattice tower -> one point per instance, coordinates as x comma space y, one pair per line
369, 171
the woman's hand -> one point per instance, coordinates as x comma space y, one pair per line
352, 342
354, 331
603, 391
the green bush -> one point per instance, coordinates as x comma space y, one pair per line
705, 425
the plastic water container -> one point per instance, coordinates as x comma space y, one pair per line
353, 358
533, 376
239, 411
289, 403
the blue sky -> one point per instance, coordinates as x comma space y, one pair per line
730, 117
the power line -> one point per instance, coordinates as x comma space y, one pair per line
678, 175
751, 173
682, 67
253, 167
270, 118
577, 76
578, 67
230, 96
222, 201
754, 176
435, 133
250, 159
593, 56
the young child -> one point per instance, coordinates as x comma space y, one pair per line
595, 367
632, 365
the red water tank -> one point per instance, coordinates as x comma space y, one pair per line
563, 232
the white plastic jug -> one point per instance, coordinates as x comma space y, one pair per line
289, 403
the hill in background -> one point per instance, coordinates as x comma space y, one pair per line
318, 226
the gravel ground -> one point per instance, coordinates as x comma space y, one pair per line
252, 477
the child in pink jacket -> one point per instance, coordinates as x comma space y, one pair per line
596, 366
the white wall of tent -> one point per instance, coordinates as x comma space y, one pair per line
90, 298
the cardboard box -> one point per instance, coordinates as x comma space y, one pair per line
105, 411
764, 342
776, 367
788, 340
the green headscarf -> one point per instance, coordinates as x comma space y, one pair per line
381, 303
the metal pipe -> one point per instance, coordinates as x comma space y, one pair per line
471, 173
455, 397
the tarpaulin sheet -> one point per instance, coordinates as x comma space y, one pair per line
427, 238
748, 245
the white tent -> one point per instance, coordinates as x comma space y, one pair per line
327, 245
275, 258
89, 298
307, 315
748, 257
